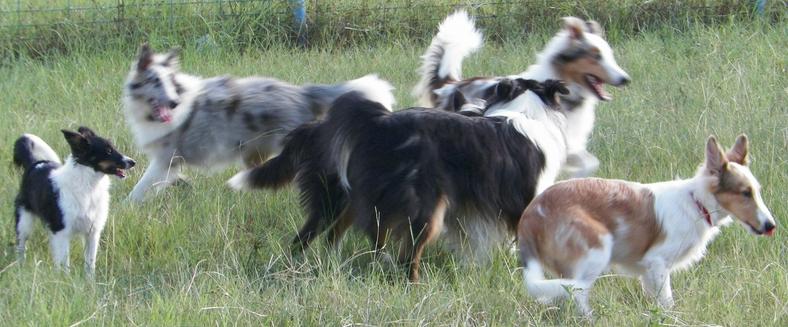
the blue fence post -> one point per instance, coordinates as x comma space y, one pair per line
760, 6
299, 14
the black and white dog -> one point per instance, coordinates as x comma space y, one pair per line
406, 174
72, 198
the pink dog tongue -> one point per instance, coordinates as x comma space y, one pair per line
600, 89
163, 114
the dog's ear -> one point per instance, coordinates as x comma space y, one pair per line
173, 58
738, 153
575, 26
144, 58
77, 142
86, 132
716, 162
594, 27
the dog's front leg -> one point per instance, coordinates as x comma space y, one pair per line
59, 243
159, 175
91, 249
656, 282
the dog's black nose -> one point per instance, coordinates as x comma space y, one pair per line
768, 227
173, 104
130, 163
624, 81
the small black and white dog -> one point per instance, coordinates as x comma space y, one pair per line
407, 174
72, 198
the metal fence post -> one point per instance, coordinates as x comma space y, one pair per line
760, 6
299, 14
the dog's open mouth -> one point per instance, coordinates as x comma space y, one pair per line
120, 173
597, 86
162, 113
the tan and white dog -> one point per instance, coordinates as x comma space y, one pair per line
579, 228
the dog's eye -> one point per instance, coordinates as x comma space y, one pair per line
596, 54
747, 194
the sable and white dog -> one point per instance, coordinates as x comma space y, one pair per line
180, 119
578, 228
578, 55
71, 199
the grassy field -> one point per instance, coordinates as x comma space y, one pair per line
203, 255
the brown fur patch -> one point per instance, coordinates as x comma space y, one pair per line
578, 63
730, 195
569, 218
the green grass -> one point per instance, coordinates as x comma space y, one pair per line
203, 255
50, 27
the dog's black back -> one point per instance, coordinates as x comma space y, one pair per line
401, 165
39, 196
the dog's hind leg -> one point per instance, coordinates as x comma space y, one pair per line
160, 174
423, 230
24, 227
343, 222
324, 201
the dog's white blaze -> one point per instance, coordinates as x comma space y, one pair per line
166, 83
616, 73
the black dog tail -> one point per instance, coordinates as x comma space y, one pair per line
282, 169
350, 118
30, 149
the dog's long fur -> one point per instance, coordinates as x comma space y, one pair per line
180, 119
71, 199
574, 54
578, 228
410, 172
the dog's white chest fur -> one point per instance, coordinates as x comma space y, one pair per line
84, 197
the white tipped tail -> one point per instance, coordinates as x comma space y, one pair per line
375, 89
29, 149
456, 39
240, 181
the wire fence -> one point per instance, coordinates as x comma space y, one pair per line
36, 27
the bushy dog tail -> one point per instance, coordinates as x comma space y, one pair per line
282, 169
350, 118
442, 63
371, 86
30, 149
